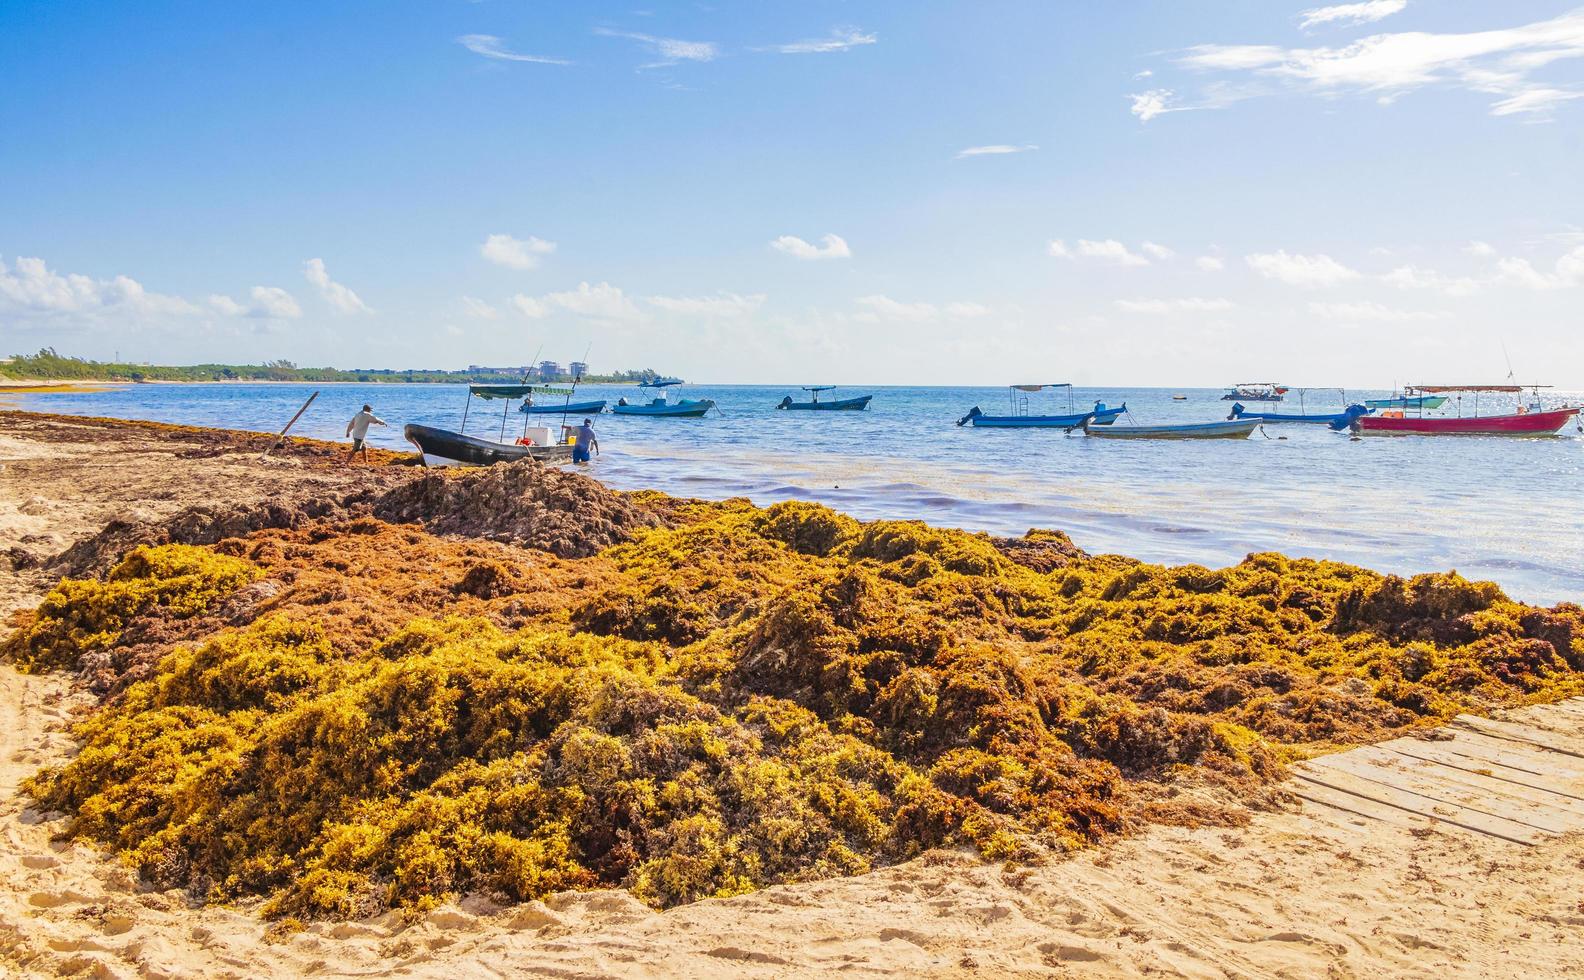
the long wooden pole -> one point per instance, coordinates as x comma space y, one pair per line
282, 437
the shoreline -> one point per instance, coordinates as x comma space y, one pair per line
1299, 889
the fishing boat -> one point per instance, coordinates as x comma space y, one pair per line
1229, 429
571, 408
833, 405
1256, 391
660, 407
1020, 418
442, 447
1404, 402
1337, 420
1532, 419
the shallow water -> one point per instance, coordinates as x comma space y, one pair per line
1497, 508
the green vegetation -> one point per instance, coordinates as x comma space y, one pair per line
47, 365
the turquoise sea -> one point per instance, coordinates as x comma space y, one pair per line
1493, 508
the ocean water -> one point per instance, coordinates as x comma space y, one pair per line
1493, 508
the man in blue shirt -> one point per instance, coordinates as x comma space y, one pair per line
584, 441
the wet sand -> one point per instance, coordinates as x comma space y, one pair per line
1304, 891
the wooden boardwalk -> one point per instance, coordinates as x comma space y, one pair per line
1518, 779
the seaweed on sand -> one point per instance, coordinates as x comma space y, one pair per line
733, 697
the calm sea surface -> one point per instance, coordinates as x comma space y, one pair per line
1495, 508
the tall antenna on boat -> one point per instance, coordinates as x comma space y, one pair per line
1509, 361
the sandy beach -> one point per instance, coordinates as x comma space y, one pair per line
1249, 879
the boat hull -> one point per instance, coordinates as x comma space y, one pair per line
667, 410
1043, 421
578, 408
1524, 424
1418, 401
1334, 419
1232, 429
442, 447
839, 405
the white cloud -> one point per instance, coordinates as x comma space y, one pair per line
994, 149
1351, 14
1190, 304
514, 253
966, 311
669, 50
722, 305
452, 330
1155, 251
1482, 250
1568, 273
603, 301
1155, 102
830, 247
1308, 271
1109, 250
840, 39
1209, 263
1416, 277
1368, 310
30, 286
490, 46
529, 307
478, 309
343, 299
885, 308
272, 303
1494, 62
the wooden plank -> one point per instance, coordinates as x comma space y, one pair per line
1512, 731
1449, 813
1551, 717
1515, 755
1435, 752
1387, 769
1566, 807
1346, 807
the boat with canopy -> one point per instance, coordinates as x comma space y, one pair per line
1402, 401
660, 407
443, 447
832, 405
1533, 419
1238, 428
1020, 418
1256, 391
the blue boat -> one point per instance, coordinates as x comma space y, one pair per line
1408, 401
834, 405
1230, 429
575, 408
1020, 418
1337, 420
682, 408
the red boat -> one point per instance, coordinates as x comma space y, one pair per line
1526, 421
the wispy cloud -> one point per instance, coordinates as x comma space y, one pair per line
515, 253
1417, 277
830, 247
1498, 62
839, 39
264, 303
882, 307
668, 50
1155, 102
1155, 251
994, 149
1188, 304
1109, 250
1209, 263
1369, 310
721, 305
338, 296
479, 309
1350, 14
1567, 273
600, 301
30, 286
1308, 271
490, 46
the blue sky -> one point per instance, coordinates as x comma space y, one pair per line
1170, 193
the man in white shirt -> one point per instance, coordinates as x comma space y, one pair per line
358, 430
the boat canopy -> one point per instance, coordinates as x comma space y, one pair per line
515, 391
1436, 389
660, 383
819, 388
1056, 384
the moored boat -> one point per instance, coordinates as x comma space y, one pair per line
1100, 414
857, 404
1405, 402
1337, 420
1228, 429
660, 407
1256, 391
1532, 419
442, 447
574, 408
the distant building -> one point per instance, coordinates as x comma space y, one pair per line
549, 370
578, 369
486, 369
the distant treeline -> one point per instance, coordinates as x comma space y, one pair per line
47, 365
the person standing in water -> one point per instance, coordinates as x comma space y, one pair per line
584, 441
358, 430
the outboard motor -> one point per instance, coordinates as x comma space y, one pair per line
1237, 411
622, 400
1349, 418
973, 413
785, 402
